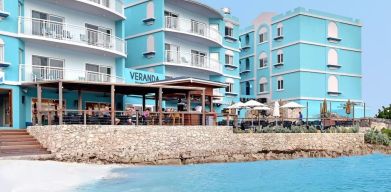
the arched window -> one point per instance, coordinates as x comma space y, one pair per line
280, 57
247, 63
280, 30
150, 44
263, 35
150, 10
332, 30
1, 50
333, 84
262, 60
332, 57
262, 85
280, 83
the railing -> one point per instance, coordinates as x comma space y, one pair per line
193, 27
192, 60
113, 5
1, 53
101, 117
70, 33
35, 73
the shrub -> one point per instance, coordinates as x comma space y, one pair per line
376, 137
387, 132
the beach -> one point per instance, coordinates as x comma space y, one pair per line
49, 176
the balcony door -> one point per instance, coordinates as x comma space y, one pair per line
98, 36
198, 58
173, 53
5, 108
47, 25
98, 73
171, 20
198, 28
45, 68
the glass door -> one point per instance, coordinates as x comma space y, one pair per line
5, 108
39, 23
173, 53
56, 26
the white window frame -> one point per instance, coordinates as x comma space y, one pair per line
263, 60
230, 31
280, 57
229, 59
280, 30
2, 50
230, 87
332, 57
280, 84
263, 35
263, 83
332, 30
150, 10
333, 84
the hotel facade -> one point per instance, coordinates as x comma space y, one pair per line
305, 56
74, 44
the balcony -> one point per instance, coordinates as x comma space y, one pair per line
71, 35
111, 9
196, 61
193, 28
35, 73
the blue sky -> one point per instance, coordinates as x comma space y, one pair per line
376, 35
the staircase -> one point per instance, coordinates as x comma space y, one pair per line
19, 143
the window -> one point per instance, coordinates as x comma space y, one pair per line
171, 20
332, 58
1, 50
198, 58
280, 84
247, 39
229, 31
280, 57
229, 59
150, 10
262, 85
98, 73
248, 88
263, 35
230, 85
262, 60
247, 63
98, 36
150, 44
43, 23
333, 84
279, 30
332, 30
45, 68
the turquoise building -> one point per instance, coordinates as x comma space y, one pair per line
45, 40
305, 56
185, 38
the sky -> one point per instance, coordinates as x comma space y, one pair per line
375, 16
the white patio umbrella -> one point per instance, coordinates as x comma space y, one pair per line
262, 108
238, 105
252, 104
292, 105
276, 110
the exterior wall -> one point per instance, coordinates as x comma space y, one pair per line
176, 145
306, 47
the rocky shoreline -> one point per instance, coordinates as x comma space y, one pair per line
241, 157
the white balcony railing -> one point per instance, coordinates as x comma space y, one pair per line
70, 33
113, 5
35, 73
193, 60
193, 27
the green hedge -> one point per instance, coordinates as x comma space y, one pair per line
378, 137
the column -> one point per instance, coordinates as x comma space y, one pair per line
112, 104
144, 102
60, 103
203, 107
188, 98
39, 104
160, 106
79, 102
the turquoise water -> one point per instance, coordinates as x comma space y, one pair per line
365, 173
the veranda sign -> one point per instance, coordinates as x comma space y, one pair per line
138, 76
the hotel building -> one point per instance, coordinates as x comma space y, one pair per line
56, 54
304, 56
48, 40
184, 39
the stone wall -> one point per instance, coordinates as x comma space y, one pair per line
380, 123
183, 145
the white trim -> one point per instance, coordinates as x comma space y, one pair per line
231, 76
247, 80
230, 48
247, 32
11, 83
10, 34
319, 99
263, 93
264, 42
143, 34
316, 44
135, 3
231, 21
317, 16
316, 71
247, 56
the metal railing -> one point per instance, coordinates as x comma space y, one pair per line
113, 5
98, 117
192, 27
70, 33
35, 73
193, 60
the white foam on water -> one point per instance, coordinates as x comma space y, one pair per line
49, 176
